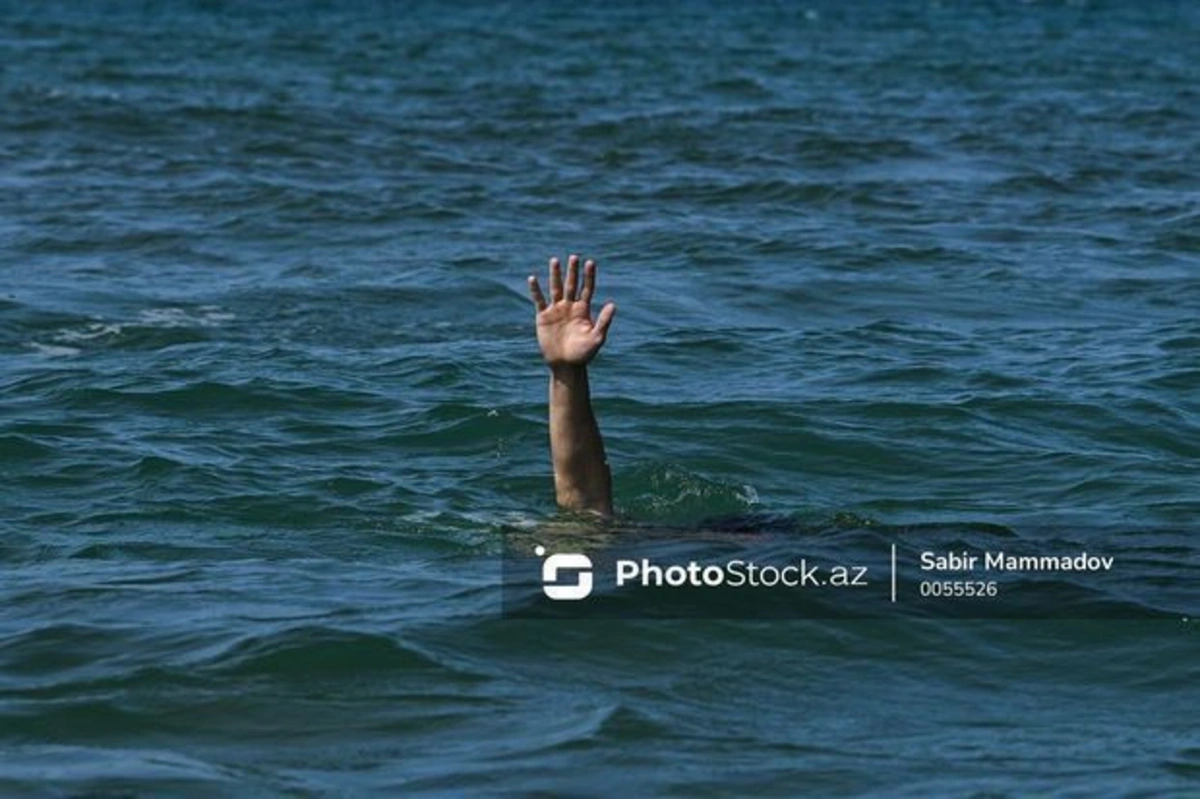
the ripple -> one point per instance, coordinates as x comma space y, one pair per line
116, 771
313, 653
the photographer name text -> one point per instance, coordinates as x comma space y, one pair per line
1000, 561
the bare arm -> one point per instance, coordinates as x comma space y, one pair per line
569, 339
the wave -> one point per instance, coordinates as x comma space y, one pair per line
320, 653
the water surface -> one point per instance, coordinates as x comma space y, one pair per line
270, 398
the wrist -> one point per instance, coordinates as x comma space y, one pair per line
569, 374
567, 370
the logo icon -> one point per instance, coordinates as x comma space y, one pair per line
575, 562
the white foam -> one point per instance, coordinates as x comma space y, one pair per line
167, 317
53, 351
92, 331
204, 316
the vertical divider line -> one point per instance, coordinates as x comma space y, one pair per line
893, 573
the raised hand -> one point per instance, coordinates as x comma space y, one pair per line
566, 331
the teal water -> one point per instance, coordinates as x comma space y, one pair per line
270, 398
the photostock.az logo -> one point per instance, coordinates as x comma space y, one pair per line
575, 562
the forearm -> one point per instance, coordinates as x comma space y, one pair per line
581, 476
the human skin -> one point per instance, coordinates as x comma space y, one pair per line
569, 339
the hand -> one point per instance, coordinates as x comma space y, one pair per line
565, 330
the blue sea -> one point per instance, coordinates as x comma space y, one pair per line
271, 402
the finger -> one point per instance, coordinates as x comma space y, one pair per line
589, 281
556, 284
572, 277
535, 291
605, 317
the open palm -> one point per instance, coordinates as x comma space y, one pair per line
566, 331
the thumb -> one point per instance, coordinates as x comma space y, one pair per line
604, 318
